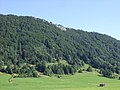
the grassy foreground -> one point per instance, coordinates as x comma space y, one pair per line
83, 81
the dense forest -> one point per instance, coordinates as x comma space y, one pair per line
30, 46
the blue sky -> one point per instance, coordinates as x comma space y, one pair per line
101, 16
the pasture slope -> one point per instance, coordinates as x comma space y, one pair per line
81, 81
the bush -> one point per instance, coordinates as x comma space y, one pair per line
35, 74
80, 71
119, 78
108, 73
89, 69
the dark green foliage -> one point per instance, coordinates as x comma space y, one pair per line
48, 72
41, 67
1, 64
80, 71
119, 78
117, 70
63, 69
89, 69
27, 70
28, 40
35, 74
9, 69
107, 73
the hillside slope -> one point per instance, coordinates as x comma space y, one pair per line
31, 40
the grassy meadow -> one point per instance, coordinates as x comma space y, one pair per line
82, 81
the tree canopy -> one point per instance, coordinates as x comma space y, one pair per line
33, 41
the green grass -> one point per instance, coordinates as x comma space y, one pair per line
82, 81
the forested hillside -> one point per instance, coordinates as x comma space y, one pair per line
31, 45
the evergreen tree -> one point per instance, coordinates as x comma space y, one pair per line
1, 64
9, 69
